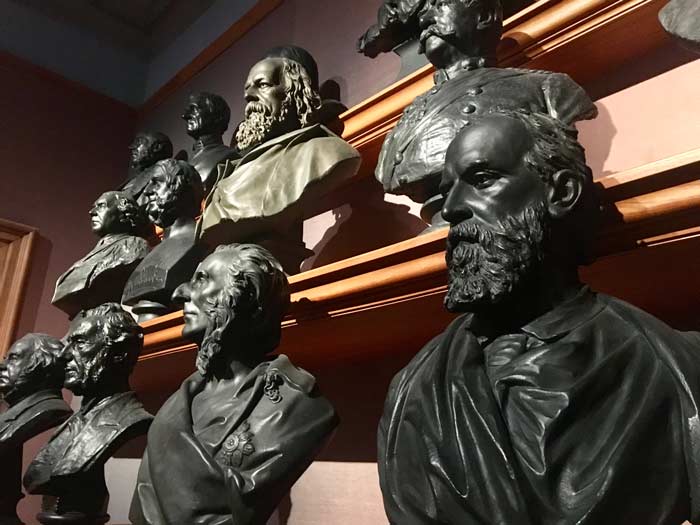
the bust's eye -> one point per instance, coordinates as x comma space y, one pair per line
484, 179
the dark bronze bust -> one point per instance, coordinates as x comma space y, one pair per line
173, 200
460, 37
545, 403
100, 276
207, 117
232, 441
103, 346
31, 377
681, 19
289, 161
147, 148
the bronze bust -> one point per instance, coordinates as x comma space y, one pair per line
103, 347
100, 276
681, 19
147, 148
289, 161
207, 117
546, 403
233, 440
31, 377
173, 200
460, 38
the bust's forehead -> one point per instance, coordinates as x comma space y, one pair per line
87, 326
268, 68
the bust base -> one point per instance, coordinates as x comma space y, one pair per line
71, 518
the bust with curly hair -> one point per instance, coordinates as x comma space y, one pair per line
100, 276
173, 201
241, 430
31, 377
290, 160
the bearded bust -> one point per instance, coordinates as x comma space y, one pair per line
289, 161
460, 39
173, 200
147, 148
100, 276
102, 346
31, 377
229, 445
207, 117
545, 403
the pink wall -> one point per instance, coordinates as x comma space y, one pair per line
61, 145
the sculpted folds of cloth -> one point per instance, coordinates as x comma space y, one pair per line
243, 461
545, 403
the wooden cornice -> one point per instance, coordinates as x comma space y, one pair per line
412, 272
569, 36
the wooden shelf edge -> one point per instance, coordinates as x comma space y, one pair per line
415, 268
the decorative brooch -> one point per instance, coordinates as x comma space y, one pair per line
272, 387
238, 445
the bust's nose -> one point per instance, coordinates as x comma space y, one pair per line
456, 208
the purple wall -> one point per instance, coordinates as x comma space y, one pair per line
61, 145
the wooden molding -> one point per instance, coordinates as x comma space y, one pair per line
234, 33
410, 276
16, 243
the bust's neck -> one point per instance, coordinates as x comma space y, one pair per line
206, 140
181, 226
460, 64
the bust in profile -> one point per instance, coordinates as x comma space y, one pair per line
103, 346
207, 117
31, 377
100, 276
173, 201
460, 37
147, 148
230, 443
545, 402
289, 162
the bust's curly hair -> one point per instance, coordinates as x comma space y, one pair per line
123, 337
46, 366
133, 219
300, 91
256, 296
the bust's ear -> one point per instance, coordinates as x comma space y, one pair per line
485, 19
563, 192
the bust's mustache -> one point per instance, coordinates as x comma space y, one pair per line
257, 107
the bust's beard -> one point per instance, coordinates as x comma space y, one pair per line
485, 265
259, 124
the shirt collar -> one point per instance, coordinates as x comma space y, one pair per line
466, 64
566, 317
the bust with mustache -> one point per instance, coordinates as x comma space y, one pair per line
460, 37
173, 201
289, 161
31, 377
544, 402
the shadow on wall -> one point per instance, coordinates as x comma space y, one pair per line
367, 222
597, 137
